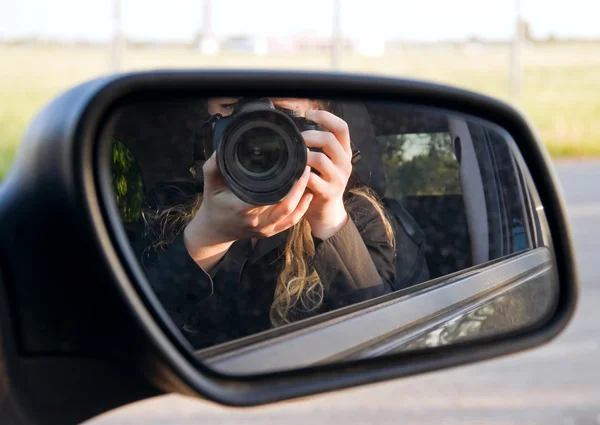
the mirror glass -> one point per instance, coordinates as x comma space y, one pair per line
279, 233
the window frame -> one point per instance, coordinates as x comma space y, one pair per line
489, 154
392, 316
517, 192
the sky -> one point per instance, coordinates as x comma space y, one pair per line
410, 20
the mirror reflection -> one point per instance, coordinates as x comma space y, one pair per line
283, 232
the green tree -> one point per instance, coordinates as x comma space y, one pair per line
420, 164
128, 184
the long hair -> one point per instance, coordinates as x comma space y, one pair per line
299, 292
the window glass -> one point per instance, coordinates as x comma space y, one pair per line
420, 165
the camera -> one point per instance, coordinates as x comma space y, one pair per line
260, 150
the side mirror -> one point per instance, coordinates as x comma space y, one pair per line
133, 265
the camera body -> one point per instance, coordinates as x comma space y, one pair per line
260, 150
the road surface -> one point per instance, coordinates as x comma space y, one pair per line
556, 384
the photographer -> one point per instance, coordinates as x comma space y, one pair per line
232, 269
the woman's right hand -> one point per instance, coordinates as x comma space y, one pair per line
223, 218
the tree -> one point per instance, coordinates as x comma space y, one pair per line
420, 164
128, 185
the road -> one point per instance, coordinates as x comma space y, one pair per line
556, 384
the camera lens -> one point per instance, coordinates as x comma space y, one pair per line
259, 151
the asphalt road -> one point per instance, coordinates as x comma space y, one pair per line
556, 384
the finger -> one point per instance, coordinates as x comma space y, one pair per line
317, 185
321, 162
214, 184
289, 204
210, 165
327, 142
212, 176
296, 215
257, 210
336, 125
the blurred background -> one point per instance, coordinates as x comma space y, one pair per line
541, 55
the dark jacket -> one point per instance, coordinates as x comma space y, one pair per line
354, 265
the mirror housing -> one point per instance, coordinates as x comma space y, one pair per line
75, 299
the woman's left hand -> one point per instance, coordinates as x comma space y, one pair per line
326, 213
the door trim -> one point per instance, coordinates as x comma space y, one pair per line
368, 326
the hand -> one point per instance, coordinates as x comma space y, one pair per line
326, 213
223, 218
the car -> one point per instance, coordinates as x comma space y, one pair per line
483, 264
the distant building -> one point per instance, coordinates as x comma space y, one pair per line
371, 46
310, 42
304, 43
282, 46
207, 45
247, 44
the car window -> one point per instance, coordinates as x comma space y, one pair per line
505, 200
420, 164
518, 229
423, 176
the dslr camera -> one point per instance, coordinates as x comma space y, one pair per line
260, 150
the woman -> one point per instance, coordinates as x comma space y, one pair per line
233, 269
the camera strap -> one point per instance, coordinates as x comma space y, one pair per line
356, 157
202, 148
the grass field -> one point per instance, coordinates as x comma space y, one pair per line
560, 86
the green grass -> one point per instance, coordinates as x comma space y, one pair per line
560, 86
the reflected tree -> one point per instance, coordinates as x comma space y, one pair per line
420, 165
128, 184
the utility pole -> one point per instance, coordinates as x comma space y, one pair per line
205, 41
207, 18
515, 54
336, 36
117, 41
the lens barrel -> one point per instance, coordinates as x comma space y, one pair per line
260, 152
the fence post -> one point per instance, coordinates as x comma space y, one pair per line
515, 54
117, 41
336, 37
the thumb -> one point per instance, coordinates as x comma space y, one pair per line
210, 166
212, 176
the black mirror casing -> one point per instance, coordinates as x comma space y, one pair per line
81, 330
